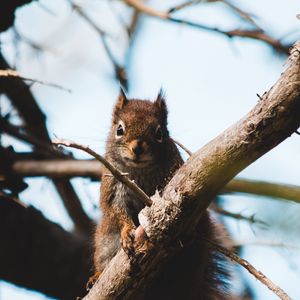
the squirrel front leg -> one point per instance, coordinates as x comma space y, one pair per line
132, 239
127, 237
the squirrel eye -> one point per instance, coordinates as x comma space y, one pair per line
158, 134
120, 130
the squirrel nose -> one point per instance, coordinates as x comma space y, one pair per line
137, 149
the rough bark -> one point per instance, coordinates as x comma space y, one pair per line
38, 254
185, 198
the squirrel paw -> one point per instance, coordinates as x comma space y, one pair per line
141, 241
127, 239
92, 281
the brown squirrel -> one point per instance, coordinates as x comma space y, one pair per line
139, 145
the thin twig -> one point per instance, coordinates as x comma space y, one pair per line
14, 74
251, 219
23, 135
183, 147
120, 71
117, 174
252, 270
253, 34
243, 14
183, 5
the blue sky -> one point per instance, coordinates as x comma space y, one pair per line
210, 83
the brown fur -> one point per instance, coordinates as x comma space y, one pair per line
139, 144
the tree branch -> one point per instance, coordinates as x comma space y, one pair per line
241, 13
251, 269
263, 188
14, 74
38, 254
252, 34
116, 173
199, 180
35, 124
120, 71
238, 216
63, 168
69, 168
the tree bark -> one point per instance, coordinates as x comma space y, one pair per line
185, 198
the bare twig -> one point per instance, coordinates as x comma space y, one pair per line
117, 174
183, 5
183, 147
238, 216
14, 74
252, 270
253, 34
120, 71
244, 15
22, 134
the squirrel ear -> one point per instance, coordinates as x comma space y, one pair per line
121, 101
160, 103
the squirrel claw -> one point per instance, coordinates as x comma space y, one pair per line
141, 241
92, 281
135, 242
127, 240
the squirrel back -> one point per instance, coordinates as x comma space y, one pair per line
140, 146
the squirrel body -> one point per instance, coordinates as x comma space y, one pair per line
140, 146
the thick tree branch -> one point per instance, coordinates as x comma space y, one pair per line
198, 181
263, 188
63, 168
38, 254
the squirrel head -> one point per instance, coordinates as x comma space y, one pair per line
139, 133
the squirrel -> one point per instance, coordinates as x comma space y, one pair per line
139, 145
